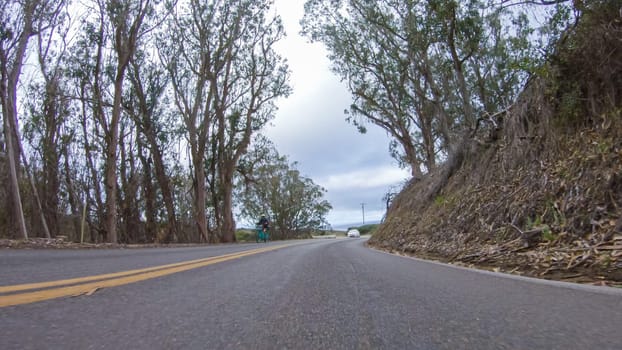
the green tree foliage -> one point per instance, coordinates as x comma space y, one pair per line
19, 22
47, 106
140, 114
225, 76
426, 71
156, 131
293, 202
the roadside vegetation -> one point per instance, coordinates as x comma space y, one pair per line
273, 187
139, 122
365, 229
542, 196
508, 114
245, 235
133, 121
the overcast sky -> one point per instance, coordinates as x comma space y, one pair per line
310, 128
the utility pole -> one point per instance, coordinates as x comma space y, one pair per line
363, 207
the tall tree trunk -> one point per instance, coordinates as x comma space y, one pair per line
428, 140
149, 194
167, 191
126, 34
129, 192
90, 164
51, 181
467, 106
36, 198
51, 188
199, 197
71, 195
227, 227
410, 152
110, 175
147, 127
54, 108
15, 204
10, 71
125, 193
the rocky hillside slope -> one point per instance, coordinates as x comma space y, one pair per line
541, 194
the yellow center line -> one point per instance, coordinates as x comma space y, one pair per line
41, 285
109, 280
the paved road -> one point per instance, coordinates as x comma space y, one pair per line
331, 294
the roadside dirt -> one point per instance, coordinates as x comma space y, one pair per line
541, 194
61, 243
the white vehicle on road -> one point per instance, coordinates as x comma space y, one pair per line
354, 233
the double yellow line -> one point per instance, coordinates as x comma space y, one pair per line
24, 294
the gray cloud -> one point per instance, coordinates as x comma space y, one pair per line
310, 128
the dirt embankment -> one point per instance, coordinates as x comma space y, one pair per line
542, 195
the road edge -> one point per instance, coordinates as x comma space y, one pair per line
608, 290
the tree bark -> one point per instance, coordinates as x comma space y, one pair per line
16, 210
167, 192
227, 227
37, 199
71, 195
150, 198
125, 39
199, 197
10, 72
147, 127
90, 164
110, 175
469, 114
127, 193
51, 163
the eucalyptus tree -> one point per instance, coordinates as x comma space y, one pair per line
225, 76
154, 122
414, 68
188, 48
126, 24
19, 22
274, 187
129, 201
86, 82
110, 33
246, 94
47, 107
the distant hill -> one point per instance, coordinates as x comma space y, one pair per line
344, 227
543, 196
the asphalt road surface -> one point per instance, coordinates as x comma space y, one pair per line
317, 294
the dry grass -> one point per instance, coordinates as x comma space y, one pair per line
543, 199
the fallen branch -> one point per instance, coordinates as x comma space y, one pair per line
528, 236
